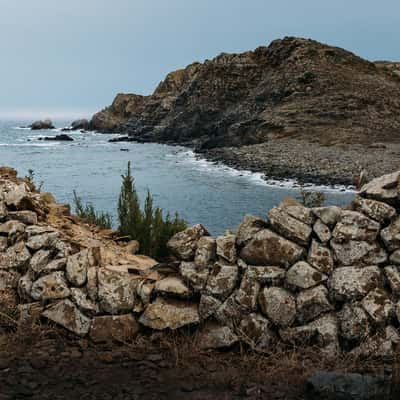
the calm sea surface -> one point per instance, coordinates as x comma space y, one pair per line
214, 195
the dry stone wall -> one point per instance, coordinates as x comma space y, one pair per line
321, 276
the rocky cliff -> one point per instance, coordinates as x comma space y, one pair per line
305, 276
293, 88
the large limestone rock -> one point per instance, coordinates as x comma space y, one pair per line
311, 303
322, 231
222, 280
385, 188
54, 265
205, 252
45, 240
196, 278
116, 291
376, 210
249, 227
66, 314
230, 312
303, 276
3, 211
358, 253
77, 266
80, 297
271, 276
328, 215
354, 322
50, 287
278, 305
320, 257
392, 274
16, 257
40, 260
184, 244
297, 210
208, 306
214, 336
42, 124
226, 248
353, 283
8, 279
169, 313
13, 229
378, 306
247, 294
121, 328
289, 227
26, 217
256, 331
391, 235
355, 226
268, 248
172, 286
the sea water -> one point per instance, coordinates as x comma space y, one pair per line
202, 192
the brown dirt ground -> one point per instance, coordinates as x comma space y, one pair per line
48, 364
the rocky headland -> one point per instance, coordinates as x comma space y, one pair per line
277, 100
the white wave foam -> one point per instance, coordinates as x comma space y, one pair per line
189, 157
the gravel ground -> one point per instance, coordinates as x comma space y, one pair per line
310, 162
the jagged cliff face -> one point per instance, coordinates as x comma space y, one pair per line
294, 87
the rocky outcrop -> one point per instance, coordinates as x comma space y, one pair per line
284, 279
293, 87
58, 138
42, 124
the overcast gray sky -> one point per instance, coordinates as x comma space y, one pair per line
73, 56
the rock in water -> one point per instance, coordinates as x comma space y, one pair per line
42, 124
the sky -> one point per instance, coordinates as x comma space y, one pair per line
69, 58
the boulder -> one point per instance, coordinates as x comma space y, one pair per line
3, 244
25, 216
303, 276
289, 227
80, 297
395, 257
121, 328
268, 248
354, 322
45, 240
15, 257
40, 260
226, 248
66, 314
80, 124
215, 336
343, 386
353, 283
355, 226
385, 188
58, 138
392, 274
42, 124
50, 287
297, 210
328, 215
256, 331
320, 257
9, 279
271, 276
3, 211
391, 235
184, 244
76, 268
322, 231
169, 313
378, 306
92, 283
205, 252
145, 291
25, 286
13, 229
380, 212
18, 198
230, 312
358, 253
194, 277
208, 306
222, 280
311, 303
249, 227
278, 305
116, 291
247, 294
172, 286
55, 265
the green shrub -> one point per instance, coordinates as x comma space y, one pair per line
30, 178
148, 227
88, 214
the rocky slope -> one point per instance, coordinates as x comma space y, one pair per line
293, 89
323, 276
